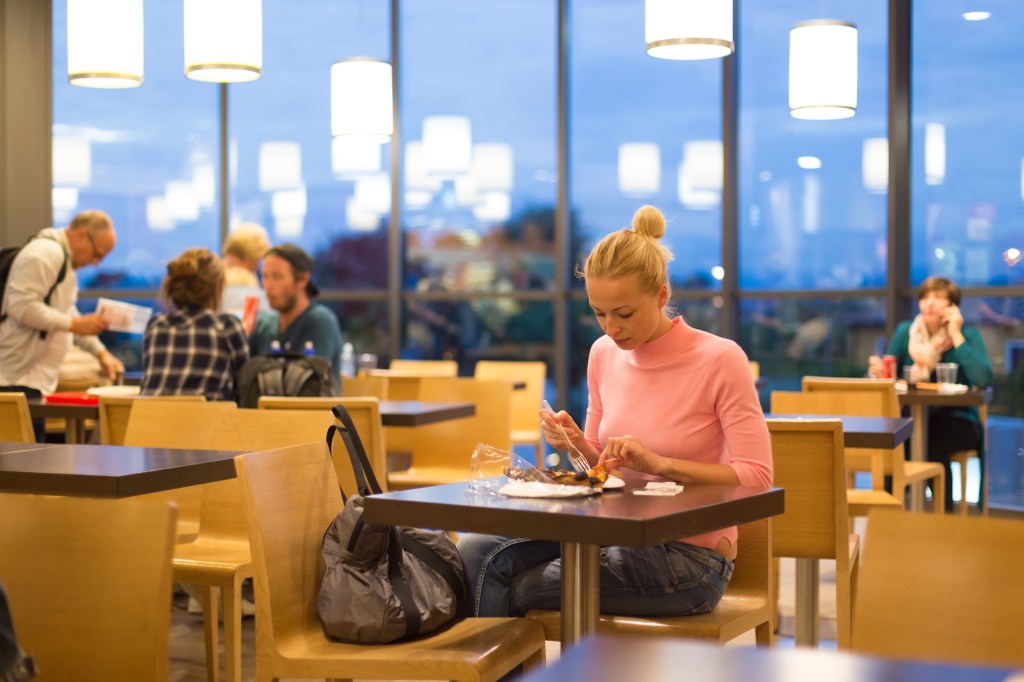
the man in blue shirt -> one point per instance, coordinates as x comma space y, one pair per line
296, 320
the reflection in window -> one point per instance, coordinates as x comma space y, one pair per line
147, 155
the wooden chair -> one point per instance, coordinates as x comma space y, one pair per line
941, 589
755, 369
426, 368
365, 387
961, 457
15, 419
365, 413
115, 410
89, 583
525, 403
809, 464
441, 452
747, 603
290, 498
860, 501
877, 398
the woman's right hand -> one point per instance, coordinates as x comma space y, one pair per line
876, 368
549, 424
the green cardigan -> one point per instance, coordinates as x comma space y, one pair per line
974, 368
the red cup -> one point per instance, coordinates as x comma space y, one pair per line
889, 363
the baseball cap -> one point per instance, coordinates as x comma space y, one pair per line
300, 261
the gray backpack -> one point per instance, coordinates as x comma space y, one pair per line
383, 583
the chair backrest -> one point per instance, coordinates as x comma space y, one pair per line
289, 496
365, 387
365, 413
431, 368
526, 402
809, 464
115, 410
451, 443
753, 564
871, 397
89, 584
755, 369
15, 419
941, 588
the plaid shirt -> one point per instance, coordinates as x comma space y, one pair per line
193, 351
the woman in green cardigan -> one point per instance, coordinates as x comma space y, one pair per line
938, 334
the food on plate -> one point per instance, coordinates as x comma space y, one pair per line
595, 478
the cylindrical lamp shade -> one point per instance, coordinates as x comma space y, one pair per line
494, 207
875, 165
416, 175
72, 161
639, 168
823, 70
353, 156
361, 98
223, 40
492, 168
447, 145
105, 43
700, 174
279, 166
680, 29
934, 153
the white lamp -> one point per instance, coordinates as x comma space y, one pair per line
72, 161
693, 29
361, 98
353, 156
182, 202
934, 153
416, 176
823, 70
492, 167
639, 168
280, 166
700, 174
223, 40
875, 165
158, 216
373, 193
289, 210
494, 207
105, 43
358, 218
447, 145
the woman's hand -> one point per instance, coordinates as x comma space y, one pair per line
876, 368
953, 320
628, 452
549, 422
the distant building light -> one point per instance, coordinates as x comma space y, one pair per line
1012, 256
808, 162
940, 254
718, 272
977, 16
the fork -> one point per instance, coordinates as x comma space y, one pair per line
576, 458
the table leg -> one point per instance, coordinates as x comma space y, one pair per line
581, 591
71, 428
807, 576
918, 450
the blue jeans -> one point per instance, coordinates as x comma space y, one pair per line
510, 576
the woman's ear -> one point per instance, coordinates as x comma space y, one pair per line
663, 295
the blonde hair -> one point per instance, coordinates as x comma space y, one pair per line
633, 252
248, 242
194, 279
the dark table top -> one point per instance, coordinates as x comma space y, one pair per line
606, 658
615, 517
865, 432
418, 413
108, 470
40, 408
973, 397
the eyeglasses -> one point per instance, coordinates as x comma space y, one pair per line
97, 255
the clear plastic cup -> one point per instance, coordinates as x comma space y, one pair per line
945, 372
487, 469
365, 362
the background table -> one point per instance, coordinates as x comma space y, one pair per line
581, 524
419, 413
605, 658
865, 432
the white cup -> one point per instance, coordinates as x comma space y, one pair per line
945, 372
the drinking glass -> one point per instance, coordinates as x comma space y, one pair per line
945, 372
366, 362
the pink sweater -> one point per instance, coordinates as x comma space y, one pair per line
688, 395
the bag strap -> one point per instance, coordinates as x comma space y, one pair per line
400, 587
366, 481
431, 559
271, 379
295, 376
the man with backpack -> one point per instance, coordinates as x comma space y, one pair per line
39, 319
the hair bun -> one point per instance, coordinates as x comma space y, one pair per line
183, 266
648, 221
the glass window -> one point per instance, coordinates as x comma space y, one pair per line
968, 137
643, 130
479, 123
812, 206
146, 155
286, 173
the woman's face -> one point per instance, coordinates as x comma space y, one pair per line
626, 313
932, 306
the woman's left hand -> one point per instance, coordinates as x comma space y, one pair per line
628, 452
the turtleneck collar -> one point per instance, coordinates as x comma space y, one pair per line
663, 349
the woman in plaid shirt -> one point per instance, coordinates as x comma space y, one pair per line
193, 350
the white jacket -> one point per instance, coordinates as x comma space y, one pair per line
25, 359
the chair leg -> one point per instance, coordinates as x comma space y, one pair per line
939, 498
807, 604
210, 599
845, 586
963, 487
233, 630
764, 636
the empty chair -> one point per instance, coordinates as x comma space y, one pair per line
747, 604
114, 412
291, 496
525, 403
365, 387
441, 452
89, 583
943, 589
15, 419
809, 465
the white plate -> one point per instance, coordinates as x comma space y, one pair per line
952, 389
614, 482
537, 489
113, 390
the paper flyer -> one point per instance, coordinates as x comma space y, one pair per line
124, 317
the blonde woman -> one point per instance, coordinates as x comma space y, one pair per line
667, 402
194, 349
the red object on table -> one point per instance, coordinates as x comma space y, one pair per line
72, 398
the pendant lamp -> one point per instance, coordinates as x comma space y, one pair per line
688, 30
361, 102
105, 43
639, 169
223, 40
447, 145
823, 70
